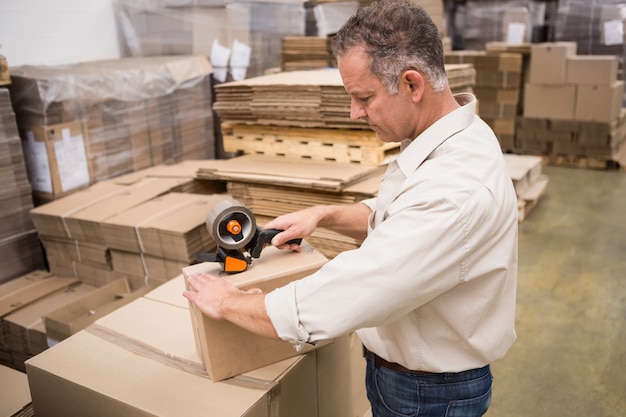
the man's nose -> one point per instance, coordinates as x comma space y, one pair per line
357, 110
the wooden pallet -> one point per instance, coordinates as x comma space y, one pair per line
569, 161
340, 145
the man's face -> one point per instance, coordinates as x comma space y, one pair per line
392, 117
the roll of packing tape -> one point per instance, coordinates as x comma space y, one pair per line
231, 224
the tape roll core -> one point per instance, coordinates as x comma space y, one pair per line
219, 217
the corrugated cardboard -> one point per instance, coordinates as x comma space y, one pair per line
83, 223
141, 361
599, 103
548, 62
72, 317
14, 395
24, 290
550, 101
592, 69
49, 219
229, 350
171, 226
24, 328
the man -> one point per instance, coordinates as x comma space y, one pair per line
431, 291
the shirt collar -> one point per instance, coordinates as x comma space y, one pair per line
415, 151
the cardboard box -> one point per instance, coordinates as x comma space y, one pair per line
592, 69
77, 315
56, 159
548, 62
229, 350
141, 361
599, 103
549, 101
14, 395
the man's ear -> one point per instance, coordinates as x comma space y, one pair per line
415, 83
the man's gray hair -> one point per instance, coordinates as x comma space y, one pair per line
398, 35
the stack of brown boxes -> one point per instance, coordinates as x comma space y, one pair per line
92, 121
20, 250
573, 106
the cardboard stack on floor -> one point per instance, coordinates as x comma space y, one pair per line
87, 122
18, 294
573, 112
143, 226
529, 181
20, 250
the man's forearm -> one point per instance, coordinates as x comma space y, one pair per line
350, 220
248, 311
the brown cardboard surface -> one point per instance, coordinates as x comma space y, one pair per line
24, 328
171, 226
49, 219
15, 394
286, 172
341, 378
599, 103
84, 223
23, 290
550, 101
228, 350
548, 62
129, 362
72, 317
592, 69
171, 292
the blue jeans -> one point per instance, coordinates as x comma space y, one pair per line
399, 394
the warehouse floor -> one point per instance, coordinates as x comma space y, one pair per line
570, 355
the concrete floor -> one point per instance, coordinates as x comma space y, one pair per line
570, 355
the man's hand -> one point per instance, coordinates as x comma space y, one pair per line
209, 292
220, 300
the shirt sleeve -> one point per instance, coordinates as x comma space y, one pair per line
396, 269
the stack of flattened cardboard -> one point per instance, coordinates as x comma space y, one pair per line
92, 121
71, 227
529, 181
20, 251
305, 114
128, 361
157, 238
24, 328
271, 186
21, 292
305, 53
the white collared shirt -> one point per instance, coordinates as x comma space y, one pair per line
433, 285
